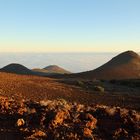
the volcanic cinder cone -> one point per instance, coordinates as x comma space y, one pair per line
124, 66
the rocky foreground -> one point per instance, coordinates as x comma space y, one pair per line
60, 120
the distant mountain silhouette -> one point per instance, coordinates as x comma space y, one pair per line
124, 66
52, 69
20, 69
17, 68
56, 69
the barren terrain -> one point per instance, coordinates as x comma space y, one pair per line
39, 88
41, 108
58, 119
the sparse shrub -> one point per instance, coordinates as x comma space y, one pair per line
99, 88
80, 83
62, 101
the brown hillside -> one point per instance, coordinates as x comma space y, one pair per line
56, 69
17, 68
124, 66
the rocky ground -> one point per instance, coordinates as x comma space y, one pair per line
62, 120
41, 108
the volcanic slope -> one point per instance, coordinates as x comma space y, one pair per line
124, 66
56, 69
52, 69
17, 68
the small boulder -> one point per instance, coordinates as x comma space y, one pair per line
87, 132
20, 122
59, 118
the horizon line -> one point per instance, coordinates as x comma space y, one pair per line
68, 51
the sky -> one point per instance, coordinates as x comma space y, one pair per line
69, 25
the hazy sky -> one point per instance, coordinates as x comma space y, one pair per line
69, 25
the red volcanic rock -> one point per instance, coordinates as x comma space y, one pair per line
64, 120
92, 122
20, 122
59, 118
120, 134
87, 132
37, 135
21, 111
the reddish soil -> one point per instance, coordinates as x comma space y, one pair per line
29, 109
40, 88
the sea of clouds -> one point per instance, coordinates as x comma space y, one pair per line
74, 62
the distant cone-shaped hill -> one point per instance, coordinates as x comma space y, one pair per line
16, 68
20, 69
124, 66
52, 70
56, 69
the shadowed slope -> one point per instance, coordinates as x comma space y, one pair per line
17, 68
56, 69
124, 66
51, 70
